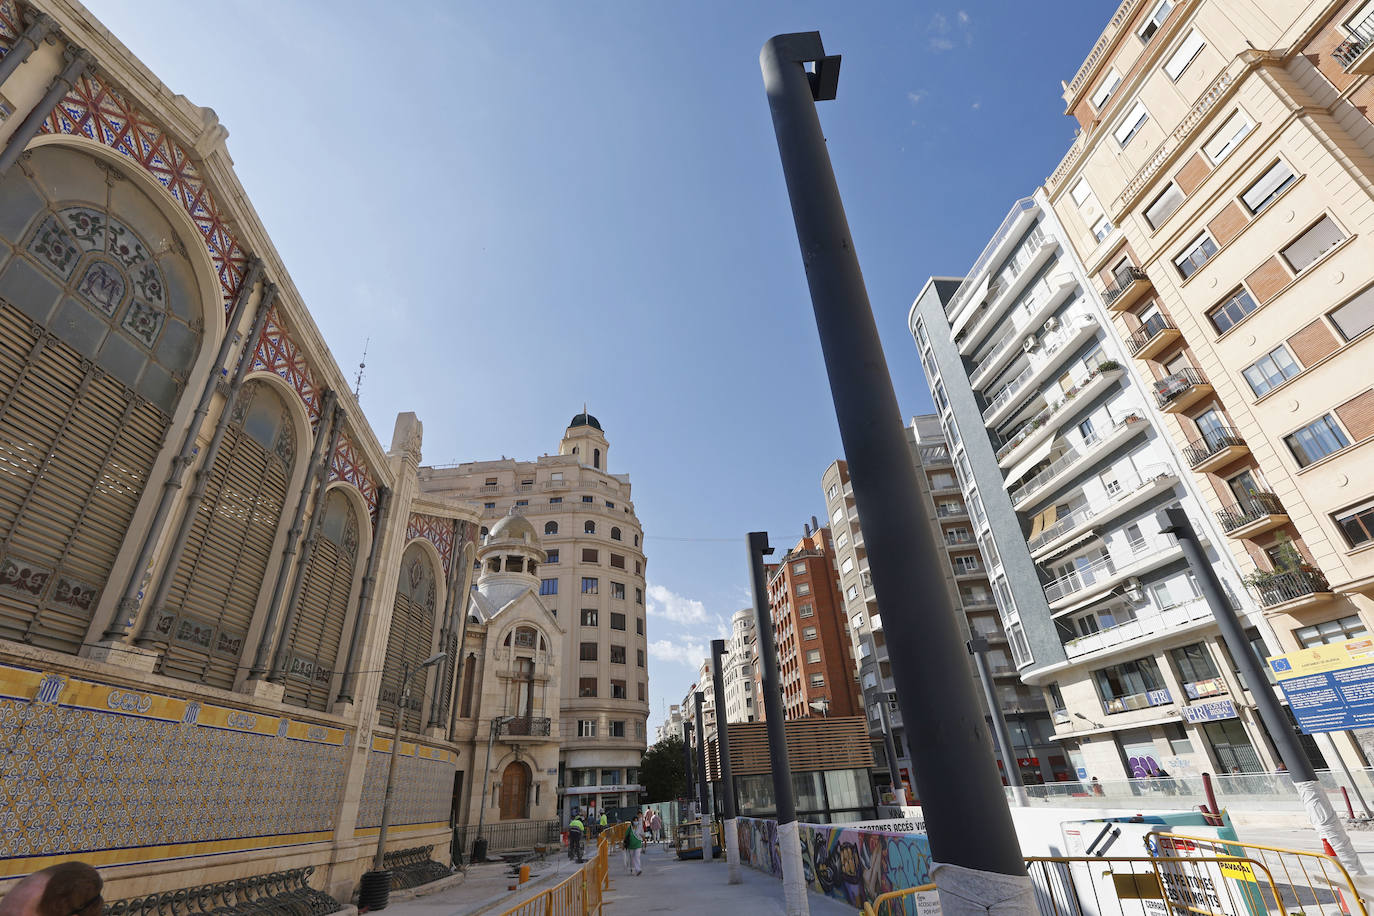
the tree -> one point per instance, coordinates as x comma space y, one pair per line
662, 771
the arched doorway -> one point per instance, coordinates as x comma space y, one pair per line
515, 791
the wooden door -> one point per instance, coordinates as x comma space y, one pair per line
515, 791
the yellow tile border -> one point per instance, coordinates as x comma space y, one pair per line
12, 868
400, 828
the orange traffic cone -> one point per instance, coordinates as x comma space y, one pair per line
1326, 847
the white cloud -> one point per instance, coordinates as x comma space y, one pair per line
685, 652
915, 96
963, 18
977, 105
944, 34
671, 606
940, 43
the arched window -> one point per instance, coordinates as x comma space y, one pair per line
589, 527
551, 527
615, 534
411, 639
484, 531
99, 325
636, 540
596, 458
325, 599
215, 587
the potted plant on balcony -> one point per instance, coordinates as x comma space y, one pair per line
1108, 365
1288, 562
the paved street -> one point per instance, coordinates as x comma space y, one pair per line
666, 886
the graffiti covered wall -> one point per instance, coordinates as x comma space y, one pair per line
841, 862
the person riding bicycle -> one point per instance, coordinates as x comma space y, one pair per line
575, 831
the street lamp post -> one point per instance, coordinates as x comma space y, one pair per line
378, 881
486, 771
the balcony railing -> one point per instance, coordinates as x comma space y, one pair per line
1048, 414
1104, 567
1090, 443
1123, 489
1249, 510
951, 512
1008, 391
1361, 36
1121, 281
1282, 587
1173, 386
1213, 443
1148, 332
1165, 620
525, 727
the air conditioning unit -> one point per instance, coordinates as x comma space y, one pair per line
1052, 323
1030, 343
1134, 591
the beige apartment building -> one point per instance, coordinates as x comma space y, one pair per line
1220, 189
593, 583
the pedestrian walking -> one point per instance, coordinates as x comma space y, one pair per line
657, 826
603, 823
68, 889
634, 848
576, 829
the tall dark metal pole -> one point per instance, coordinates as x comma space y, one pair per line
727, 779
965, 808
978, 648
687, 758
789, 840
703, 789
1175, 521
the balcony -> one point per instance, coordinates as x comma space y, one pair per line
1257, 513
1216, 449
961, 511
1127, 286
1177, 392
1037, 248
1059, 288
1093, 580
1300, 586
1046, 422
525, 727
1065, 464
1152, 338
1356, 53
1061, 345
1129, 493
1168, 620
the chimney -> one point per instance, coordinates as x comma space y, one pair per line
806, 530
814, 524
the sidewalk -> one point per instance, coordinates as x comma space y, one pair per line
668, 885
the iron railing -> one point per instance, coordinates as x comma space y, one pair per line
413, 867
1361, 34
505, 837
1148, 332
1213, 443
281, 893
1282, 587
1176, 384
1121, 281
526, 726
1251, 509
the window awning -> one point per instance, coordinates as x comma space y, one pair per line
1024, 466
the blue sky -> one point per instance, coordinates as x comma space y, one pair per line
525, 206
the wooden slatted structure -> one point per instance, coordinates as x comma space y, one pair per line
410, 639
835, 743
317, 635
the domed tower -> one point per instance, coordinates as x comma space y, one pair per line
585, 439
510, 556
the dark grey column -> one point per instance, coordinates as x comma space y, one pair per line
703, 790
374, 556
978, 647
127, 609
972, 827
147, 636
727, 779
687, 757
40, 28
78, 59
1175, 521
281, 662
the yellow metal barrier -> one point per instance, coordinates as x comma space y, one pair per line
1308, 881
580, 894
1211, 885
875, 906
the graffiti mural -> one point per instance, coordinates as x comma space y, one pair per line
841, 862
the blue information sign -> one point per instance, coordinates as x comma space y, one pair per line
1329, 688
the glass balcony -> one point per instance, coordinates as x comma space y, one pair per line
1257, 513
1092, 445
1156, 623
1215, 449
1180, 390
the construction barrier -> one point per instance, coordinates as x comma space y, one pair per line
1154, 886
908, 902
1306, 881
580, 894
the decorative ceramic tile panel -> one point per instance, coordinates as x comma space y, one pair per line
95, 110
426, 773
277, 353
10, 29
91, 766
347, 464
438, 531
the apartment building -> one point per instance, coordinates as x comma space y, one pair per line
1063, 462
1219, 190
593, 582
671, 725
815, 659
739, 667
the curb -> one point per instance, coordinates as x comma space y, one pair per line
432, 887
